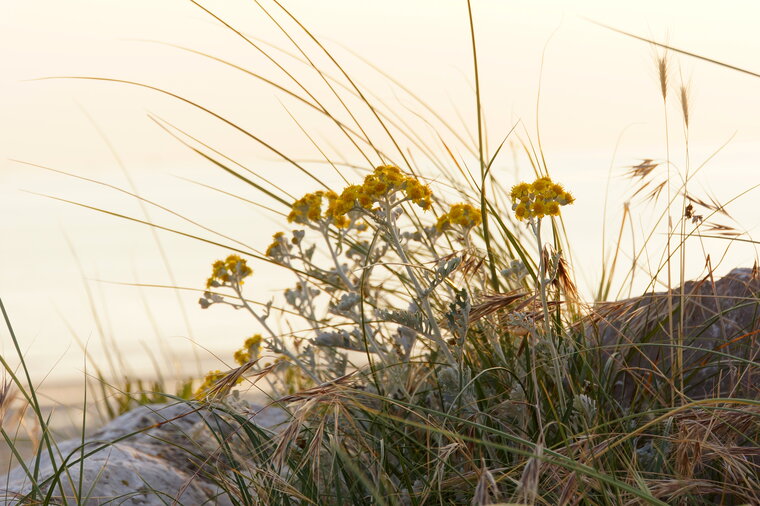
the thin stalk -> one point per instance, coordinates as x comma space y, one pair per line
338, 267
682, 246
421, 296
674, 340
481, 157
541, 278
282, 349
545, 308
532, 365
682, 298
31, 397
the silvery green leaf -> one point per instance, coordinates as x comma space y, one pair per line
412, 320
458, 316
442, 272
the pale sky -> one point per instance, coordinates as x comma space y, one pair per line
598, 91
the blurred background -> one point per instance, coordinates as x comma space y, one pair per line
71, 277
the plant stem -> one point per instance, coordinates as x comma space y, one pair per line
421, 296
481, 156
545, 307
282, 349
338, 267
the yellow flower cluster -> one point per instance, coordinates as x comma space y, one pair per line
229, 271
463, 215
250, 350
384, 181
309, 207
277, 244
541, 198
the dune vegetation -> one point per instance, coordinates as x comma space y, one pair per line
430, 346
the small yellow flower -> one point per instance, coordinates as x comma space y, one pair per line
566, 198
379, 188
520, 191
521, 211
314, 214
540, 184
418, 193
538, 208
365, 200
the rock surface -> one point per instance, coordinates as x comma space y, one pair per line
161, 465
721, 322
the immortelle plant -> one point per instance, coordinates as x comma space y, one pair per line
413, 381
374, 244
372, 240
408, 353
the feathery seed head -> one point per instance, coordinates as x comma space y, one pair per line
683, 97
663, 64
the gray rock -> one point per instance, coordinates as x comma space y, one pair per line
154, 454
720, 339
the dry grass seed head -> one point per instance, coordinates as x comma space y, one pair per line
714, 205
569, 494
683, 98
720, 229
470, 264
527, 490
331, 394
656, 192
663, 64
322, 391
563, 281
486, 490
640, 189
222, 387
643, 169
444, 454
496, 302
